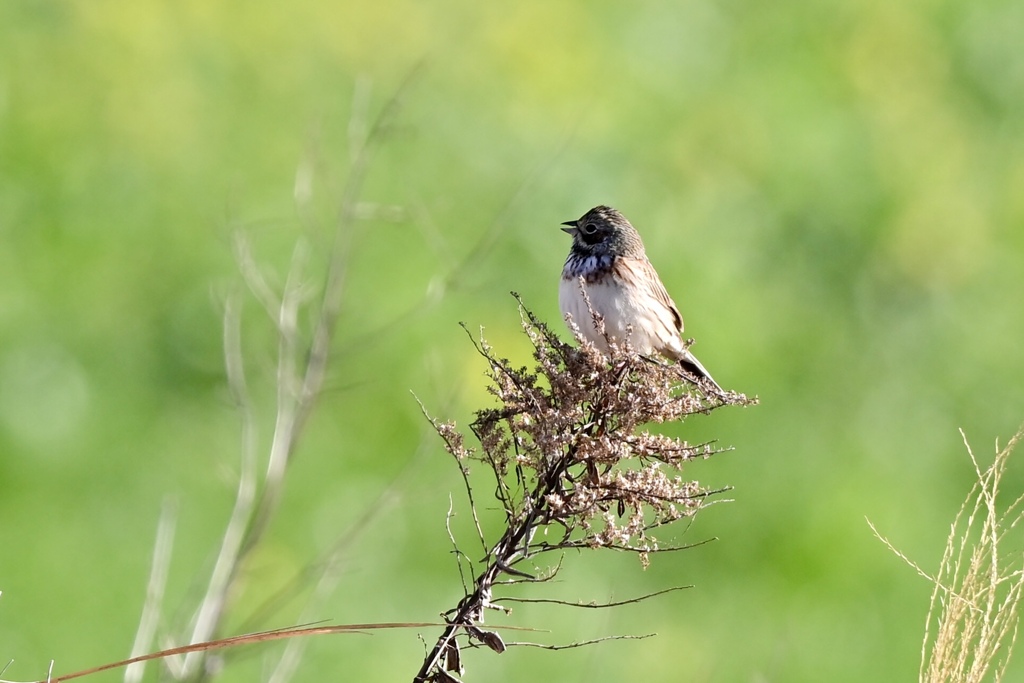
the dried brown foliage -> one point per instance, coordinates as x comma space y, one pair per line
574, 463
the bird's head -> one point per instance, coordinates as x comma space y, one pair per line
603, 230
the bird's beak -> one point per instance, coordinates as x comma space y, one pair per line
571, 229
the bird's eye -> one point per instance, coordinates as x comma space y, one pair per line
589, 229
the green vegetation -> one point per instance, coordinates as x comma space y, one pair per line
832, 192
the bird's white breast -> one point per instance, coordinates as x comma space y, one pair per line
627, 313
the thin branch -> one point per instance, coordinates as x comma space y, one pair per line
253, 276
592, 605
452, 447
211, 607
298, 388
154, 588
581, 643
459, 555
288, 400
579, 545
549, 575
330, 306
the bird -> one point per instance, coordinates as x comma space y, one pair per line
608, 267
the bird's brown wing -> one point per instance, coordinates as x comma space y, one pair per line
649, 281
640, 274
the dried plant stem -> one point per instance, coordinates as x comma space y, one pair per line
301, 371
592, 605
977, 591
470, 609
574, 467
229, 557
583, 643
154, 590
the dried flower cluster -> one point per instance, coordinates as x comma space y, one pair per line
573, 460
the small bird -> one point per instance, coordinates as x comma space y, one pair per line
607, 261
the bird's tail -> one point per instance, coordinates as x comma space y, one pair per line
690, 364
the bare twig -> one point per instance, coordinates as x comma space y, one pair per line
581, 643
254, 278
456, 444
154, 589
459, 555
289, 401
301, 371
229, 557
330, 306
592, 605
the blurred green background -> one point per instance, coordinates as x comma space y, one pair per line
833, 193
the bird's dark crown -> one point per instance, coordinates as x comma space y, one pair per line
603, 230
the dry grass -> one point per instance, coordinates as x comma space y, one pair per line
972, 621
